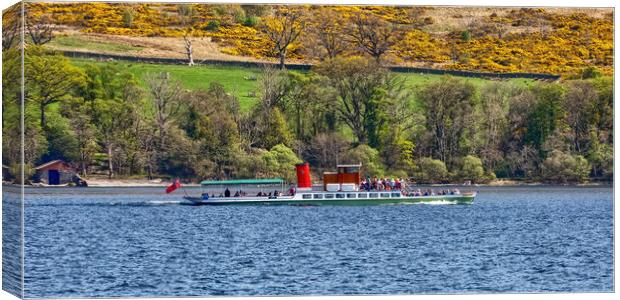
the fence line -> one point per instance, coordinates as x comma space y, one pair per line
305, 67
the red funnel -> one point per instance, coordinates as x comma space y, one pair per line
303, 176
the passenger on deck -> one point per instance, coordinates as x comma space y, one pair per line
291, 191
227, 193
237, 194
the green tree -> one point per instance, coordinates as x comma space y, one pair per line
564, 167
361, 88
428, 169
49, 79
280, 161
580, 99
368, 157
601, 157
448, 106
112, 99
209, 119
471, 169
546, 114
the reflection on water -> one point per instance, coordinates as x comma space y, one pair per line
140, 242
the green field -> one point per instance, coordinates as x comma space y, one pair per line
242, 82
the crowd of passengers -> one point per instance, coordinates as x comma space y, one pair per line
381, 184
368, 184
240, 193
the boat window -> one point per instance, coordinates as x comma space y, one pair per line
340, 196
351, 195
373, 195
306, 196
329, 196
362, 195
395, 195
385, 195
318, 196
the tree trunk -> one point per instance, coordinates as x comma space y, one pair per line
43, 120
110, 167
83, 166
189, 49
282, 60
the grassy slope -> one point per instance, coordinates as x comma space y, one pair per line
78, 43
234, 78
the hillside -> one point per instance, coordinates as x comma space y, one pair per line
551, 40
243, 83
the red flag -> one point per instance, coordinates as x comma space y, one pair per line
175, 185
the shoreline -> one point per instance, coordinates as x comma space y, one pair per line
137, 183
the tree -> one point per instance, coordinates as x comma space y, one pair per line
564, 167
166, 95
186, 14
49, 79
40, 29
128, 16
546, 114
368, 157
492, 121
361, 88
209, 119
603, 109
111, 98
396, 150
447, 105
326, 150
430, 170
280, 161
580, 99
601, 157
11, 25
471, 169
282, 30
328, 32
373, 35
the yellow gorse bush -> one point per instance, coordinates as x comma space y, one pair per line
536, 40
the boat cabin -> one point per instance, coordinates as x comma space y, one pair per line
346, 178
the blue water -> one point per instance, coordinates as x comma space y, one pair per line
139, 242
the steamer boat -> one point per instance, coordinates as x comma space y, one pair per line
343, 187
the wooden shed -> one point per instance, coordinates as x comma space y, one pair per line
6, 174
55, 172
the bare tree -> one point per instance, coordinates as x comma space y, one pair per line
186, 15
10, 26
283, 29
40, 29
328, 33
189, 49
167, 95
373, 35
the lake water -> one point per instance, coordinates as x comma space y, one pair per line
103, 242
